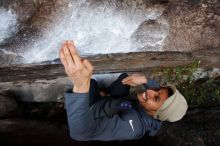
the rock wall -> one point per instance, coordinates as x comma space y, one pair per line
34, 17
200, 127
7, 104
162, 25
189, 29
193, 24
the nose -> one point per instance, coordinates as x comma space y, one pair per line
150, 94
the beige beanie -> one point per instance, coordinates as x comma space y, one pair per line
174, 108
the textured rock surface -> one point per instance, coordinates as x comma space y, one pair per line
180, 25
47, 82
184, 25
7, 104
199, 127
113, 63
41, 90
34, 17
193, 24
38, 91
46, 126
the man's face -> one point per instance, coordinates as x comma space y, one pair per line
152, 100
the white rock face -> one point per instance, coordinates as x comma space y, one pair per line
96, 29
8, 23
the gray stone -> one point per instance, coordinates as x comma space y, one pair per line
200, 127
7, 104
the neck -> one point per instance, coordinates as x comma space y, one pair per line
151, 113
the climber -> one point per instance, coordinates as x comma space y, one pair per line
118, 115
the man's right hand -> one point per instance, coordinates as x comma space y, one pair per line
79, 71
135, 79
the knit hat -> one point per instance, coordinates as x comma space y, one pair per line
174, 108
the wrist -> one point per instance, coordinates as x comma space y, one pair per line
82, 88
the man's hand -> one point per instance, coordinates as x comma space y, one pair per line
135, 79
79, 71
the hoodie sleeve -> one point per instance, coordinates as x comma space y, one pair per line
84, 127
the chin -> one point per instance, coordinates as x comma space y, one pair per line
141, 100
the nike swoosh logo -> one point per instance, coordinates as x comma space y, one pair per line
131, 123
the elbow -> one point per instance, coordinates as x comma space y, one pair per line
79, 137
79, 129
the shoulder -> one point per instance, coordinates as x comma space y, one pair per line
152, 125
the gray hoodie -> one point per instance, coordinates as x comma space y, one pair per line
95, 123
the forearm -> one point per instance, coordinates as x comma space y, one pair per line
80, 120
